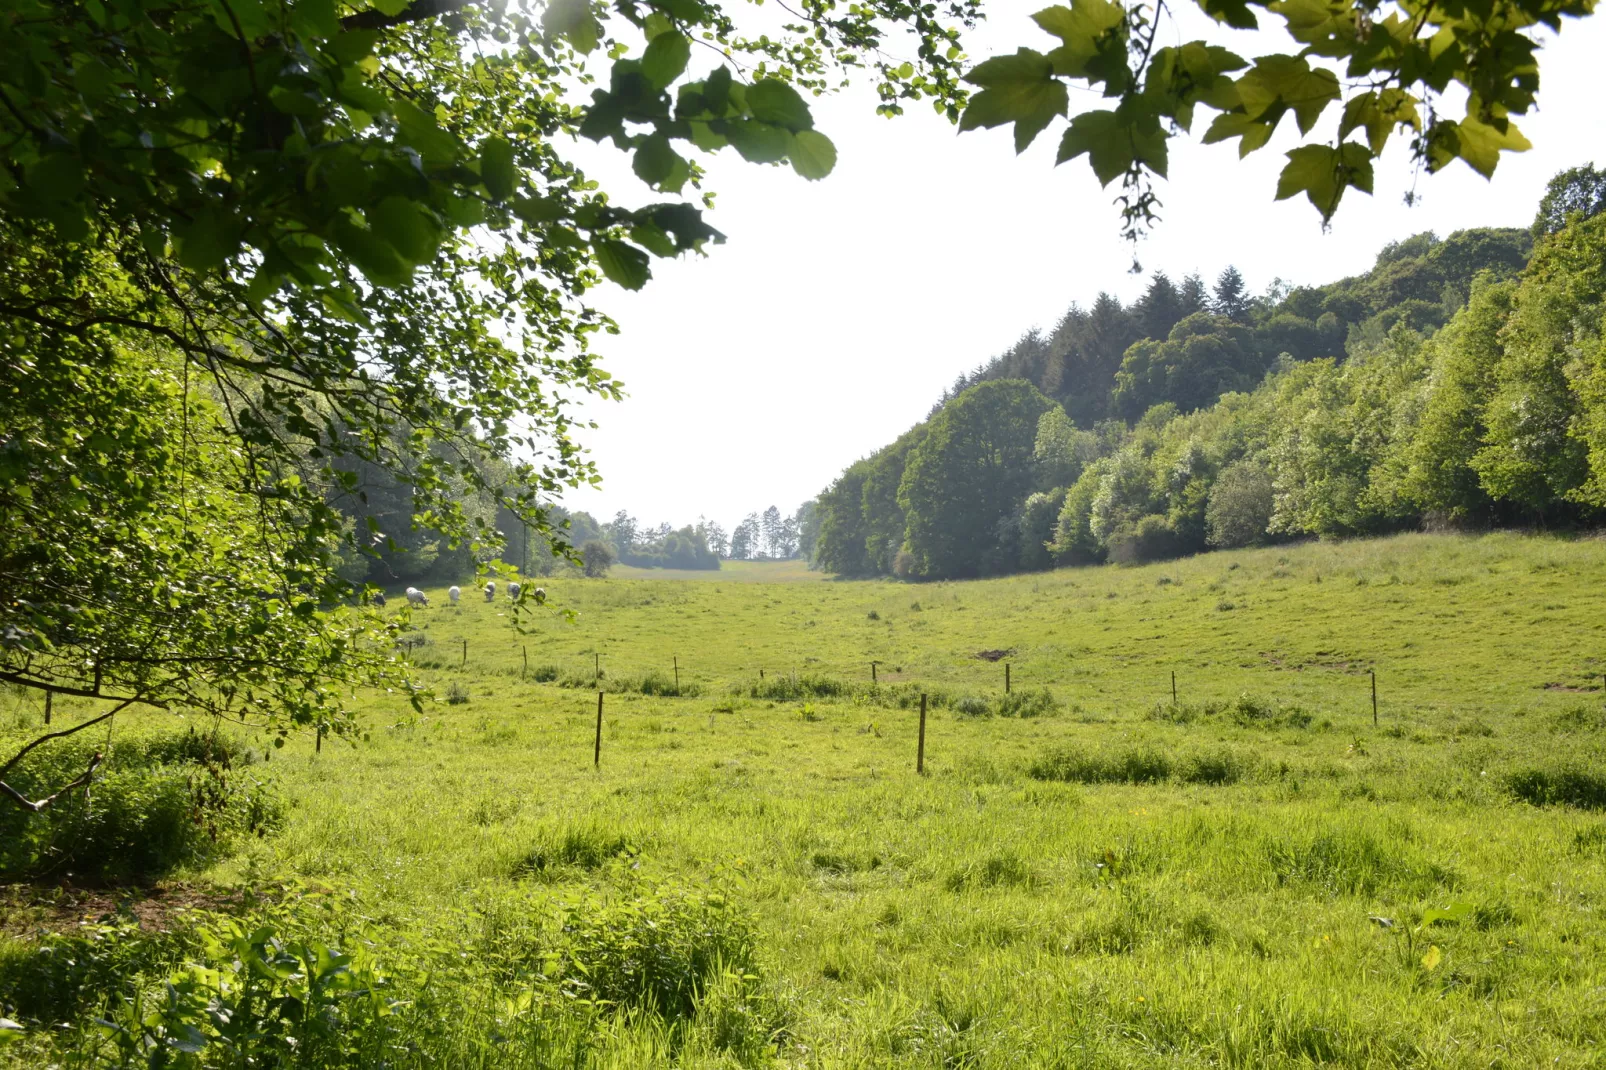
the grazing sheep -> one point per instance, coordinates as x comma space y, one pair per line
379, 599
454, 592
490, 591
417, 597
513, 592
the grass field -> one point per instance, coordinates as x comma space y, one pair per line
1089, 874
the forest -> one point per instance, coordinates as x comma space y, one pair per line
1460, 383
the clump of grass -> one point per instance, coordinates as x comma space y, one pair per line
1217, 767
653, 682
456, 694
1346, 861
1028, 703
1129, 765
1578, 788
587, 847
1580, 718
973, 706
545, 674
1246, 710
788, 688
872, 615
1002, 870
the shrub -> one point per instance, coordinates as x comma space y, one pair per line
785, 688
973, 706
1578, 788
456, 694
1219, 767
159, 803
544, 674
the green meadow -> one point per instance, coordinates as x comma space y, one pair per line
1087, 874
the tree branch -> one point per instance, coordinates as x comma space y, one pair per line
48, 736
36, 806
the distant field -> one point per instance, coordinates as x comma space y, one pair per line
1243, 878
742, 571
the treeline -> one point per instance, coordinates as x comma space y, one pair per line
1459, 382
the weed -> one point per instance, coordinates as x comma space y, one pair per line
1579, 788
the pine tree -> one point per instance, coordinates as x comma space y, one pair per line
772, 532
1232, 296
1195, 295
1159, 309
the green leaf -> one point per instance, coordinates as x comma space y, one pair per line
538, 210
1019, 89
496, 168
207, 240
1089, 28
656, 161
1290, 81
1234, 13
1116, 140
406, 226
1254, 132
771, 100
623, 263
758, 142
666, 58
572, 19
374, 257
1378, 112
813, 155
1323, 172
1478, 143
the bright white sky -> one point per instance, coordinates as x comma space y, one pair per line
836, 312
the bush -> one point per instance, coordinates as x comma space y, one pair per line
973, 706
158, 804
598, 557
1220, 767
785, 688
1150, 539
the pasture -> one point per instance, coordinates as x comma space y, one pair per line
1089, 874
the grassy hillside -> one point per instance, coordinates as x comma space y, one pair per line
1242, 878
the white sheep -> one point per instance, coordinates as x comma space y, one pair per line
490, 591
454, 592
416, 597
513, 592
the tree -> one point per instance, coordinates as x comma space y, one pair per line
1231, 297
714, 537
1204, 357
1061, 450
1579, 192
968, 474
841, 544
1194, 296
598, 558
1160, 307
773, 533
622, 531
807, 522
746, 538
1240, 505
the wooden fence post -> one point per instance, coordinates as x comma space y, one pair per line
1173, 687
526, 670
317, 747
677, 673
920, 748
48, 696
1006, 677
596, 753
464, 662
1374, 698
872, 672
597, 655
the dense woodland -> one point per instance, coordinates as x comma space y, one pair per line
1460, 382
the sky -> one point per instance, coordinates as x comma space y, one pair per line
837, 311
